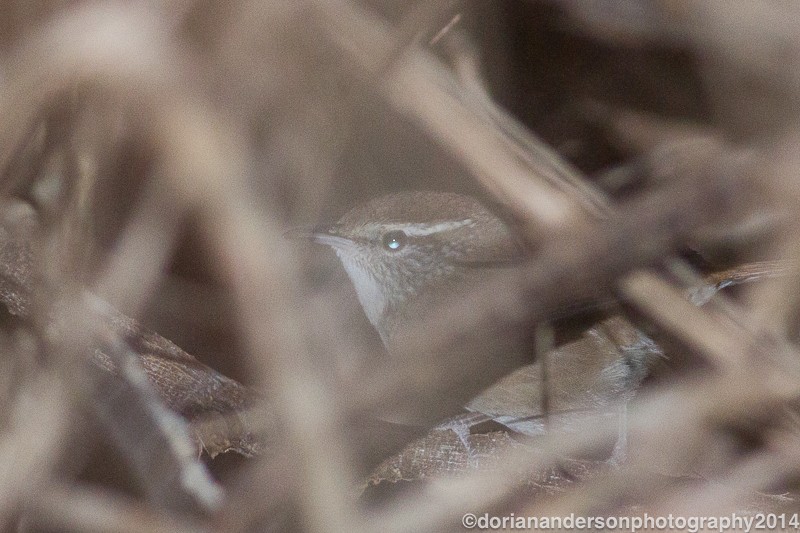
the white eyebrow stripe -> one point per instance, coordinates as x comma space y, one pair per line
420, 230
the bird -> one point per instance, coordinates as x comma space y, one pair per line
406, 252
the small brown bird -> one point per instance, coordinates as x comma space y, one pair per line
406, 252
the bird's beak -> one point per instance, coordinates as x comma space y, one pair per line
327, 235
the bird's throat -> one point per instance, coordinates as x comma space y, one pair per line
370, 293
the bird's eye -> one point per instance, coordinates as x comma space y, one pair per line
394, 240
